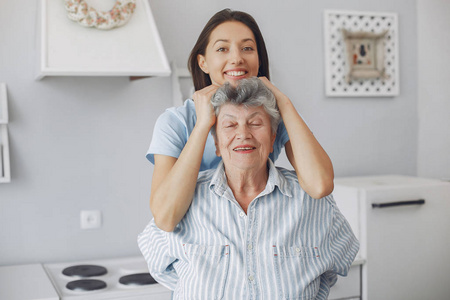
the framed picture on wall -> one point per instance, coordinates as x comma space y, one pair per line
361, 54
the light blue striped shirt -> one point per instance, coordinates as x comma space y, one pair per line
287, 246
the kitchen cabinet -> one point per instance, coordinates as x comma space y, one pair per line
403, 225
349, 287
66, 48
5, 173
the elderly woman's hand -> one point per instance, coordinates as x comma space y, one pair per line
203, 107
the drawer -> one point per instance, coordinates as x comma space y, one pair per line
348, 287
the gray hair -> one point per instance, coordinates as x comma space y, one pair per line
250, 92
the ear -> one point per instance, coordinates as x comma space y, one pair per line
217, 146
273, 141
202, 63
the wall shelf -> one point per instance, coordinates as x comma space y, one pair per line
66, 48
5, 174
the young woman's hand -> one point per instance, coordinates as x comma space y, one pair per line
203, 107
279, 96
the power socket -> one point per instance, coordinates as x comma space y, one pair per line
90, 219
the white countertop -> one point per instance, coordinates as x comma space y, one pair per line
26, 282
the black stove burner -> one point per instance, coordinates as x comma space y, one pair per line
83, 285
85, 271
137, 279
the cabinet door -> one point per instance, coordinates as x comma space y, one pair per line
348, 287
407, 246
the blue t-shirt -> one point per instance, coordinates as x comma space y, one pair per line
174, 126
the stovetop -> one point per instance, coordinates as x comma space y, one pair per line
118, 278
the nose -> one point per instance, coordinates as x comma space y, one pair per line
243, 132
236, 56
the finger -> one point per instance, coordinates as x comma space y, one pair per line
265, 81
263, 78
205, 91
212, 88
210, 92
268, 84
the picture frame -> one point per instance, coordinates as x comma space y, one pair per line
340, 78
365, 55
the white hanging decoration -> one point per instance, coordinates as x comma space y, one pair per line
119, 15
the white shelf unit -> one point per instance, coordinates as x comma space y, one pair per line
66, 48
5, 173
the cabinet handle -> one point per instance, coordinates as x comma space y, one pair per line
399, 203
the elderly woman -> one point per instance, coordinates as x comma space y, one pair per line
251, 232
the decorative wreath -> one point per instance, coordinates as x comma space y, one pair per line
81, 12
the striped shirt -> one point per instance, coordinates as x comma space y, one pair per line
287, 246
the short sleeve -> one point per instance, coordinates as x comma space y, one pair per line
343, 244
154, 246
169, 136
280, 140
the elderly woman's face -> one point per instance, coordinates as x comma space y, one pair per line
244, 136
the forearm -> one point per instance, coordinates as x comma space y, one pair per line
310, 161
173, 185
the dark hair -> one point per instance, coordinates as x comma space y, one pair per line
249, 92
202, 79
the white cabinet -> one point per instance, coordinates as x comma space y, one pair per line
403, 225
348, 287
65, 48
26, 282
5, 174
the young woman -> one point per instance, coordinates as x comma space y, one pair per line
229, 48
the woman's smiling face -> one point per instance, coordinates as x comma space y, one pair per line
231, 54
244, 137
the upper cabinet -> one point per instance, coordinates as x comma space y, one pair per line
5, 175
68, 48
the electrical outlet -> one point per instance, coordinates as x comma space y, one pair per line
90, 219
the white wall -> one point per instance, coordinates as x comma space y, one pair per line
362, 135
79, 143
434, 89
